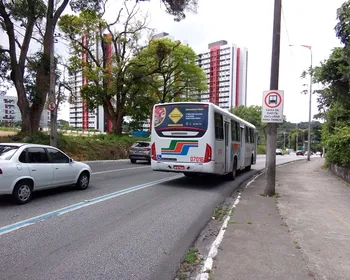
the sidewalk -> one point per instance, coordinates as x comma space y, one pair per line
307, 236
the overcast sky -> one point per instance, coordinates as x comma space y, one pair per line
249, 23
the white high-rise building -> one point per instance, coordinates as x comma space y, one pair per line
10, 113
226, 68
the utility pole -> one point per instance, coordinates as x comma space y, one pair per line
270, 169
310, 99
52, 96
296, 139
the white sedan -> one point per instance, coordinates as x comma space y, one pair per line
25, 168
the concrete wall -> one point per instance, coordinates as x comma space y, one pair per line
341, 172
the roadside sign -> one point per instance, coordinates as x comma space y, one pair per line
272, 107
52, 106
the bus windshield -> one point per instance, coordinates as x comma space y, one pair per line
181, 120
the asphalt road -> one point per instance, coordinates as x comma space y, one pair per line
131, 223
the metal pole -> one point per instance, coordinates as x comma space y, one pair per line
310, 99
284, 140
296, 139
270, 174
52, 97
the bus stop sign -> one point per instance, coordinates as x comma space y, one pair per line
272, 107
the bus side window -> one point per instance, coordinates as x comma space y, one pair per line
252, 135
247, 134
239, 132
234, 130
219, 127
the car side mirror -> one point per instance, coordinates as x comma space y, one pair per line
70, 160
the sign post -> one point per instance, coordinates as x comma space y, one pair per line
270, 169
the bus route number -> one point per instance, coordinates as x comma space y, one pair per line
197, 159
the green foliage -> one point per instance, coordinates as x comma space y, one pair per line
22, 9
4, 70
261, 150
177, 8
192, 256
334, 97
343, 28
97, 147
252, 114
168, 72
338, 147
25, 21
111, 77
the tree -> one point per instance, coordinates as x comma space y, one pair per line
110, 81
169, 72
252, 114
37, 21
4, 70
28, 20
342, 28
177, 8
334, 97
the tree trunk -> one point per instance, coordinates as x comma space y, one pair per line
26, 123
118, 122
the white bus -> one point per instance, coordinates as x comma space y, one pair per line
197, 137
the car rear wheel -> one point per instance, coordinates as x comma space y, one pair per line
22, 193
133, 160
83, 181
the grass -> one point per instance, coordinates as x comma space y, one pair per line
96, 147
220, 212
249, 222
261, 150
2, 128
277, 195
192, 256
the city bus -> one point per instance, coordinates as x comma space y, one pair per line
200, 138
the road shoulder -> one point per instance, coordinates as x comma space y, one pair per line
257, 243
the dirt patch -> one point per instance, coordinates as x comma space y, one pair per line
6, 133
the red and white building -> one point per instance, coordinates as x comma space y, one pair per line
226, 67
80, 116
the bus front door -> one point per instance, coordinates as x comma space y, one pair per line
241, 161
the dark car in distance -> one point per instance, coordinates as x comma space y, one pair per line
300, 153
140, 150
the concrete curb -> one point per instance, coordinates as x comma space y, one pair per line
208, 263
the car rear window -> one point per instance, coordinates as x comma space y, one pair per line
7, 151
141, 145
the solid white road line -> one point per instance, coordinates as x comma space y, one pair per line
118, 170
76, 206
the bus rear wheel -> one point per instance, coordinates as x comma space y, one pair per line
232, 175
249, 167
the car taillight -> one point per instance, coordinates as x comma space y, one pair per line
208, 154
147, 149
153, 151
0, 171
131, 148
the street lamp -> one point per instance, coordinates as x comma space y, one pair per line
310, 98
